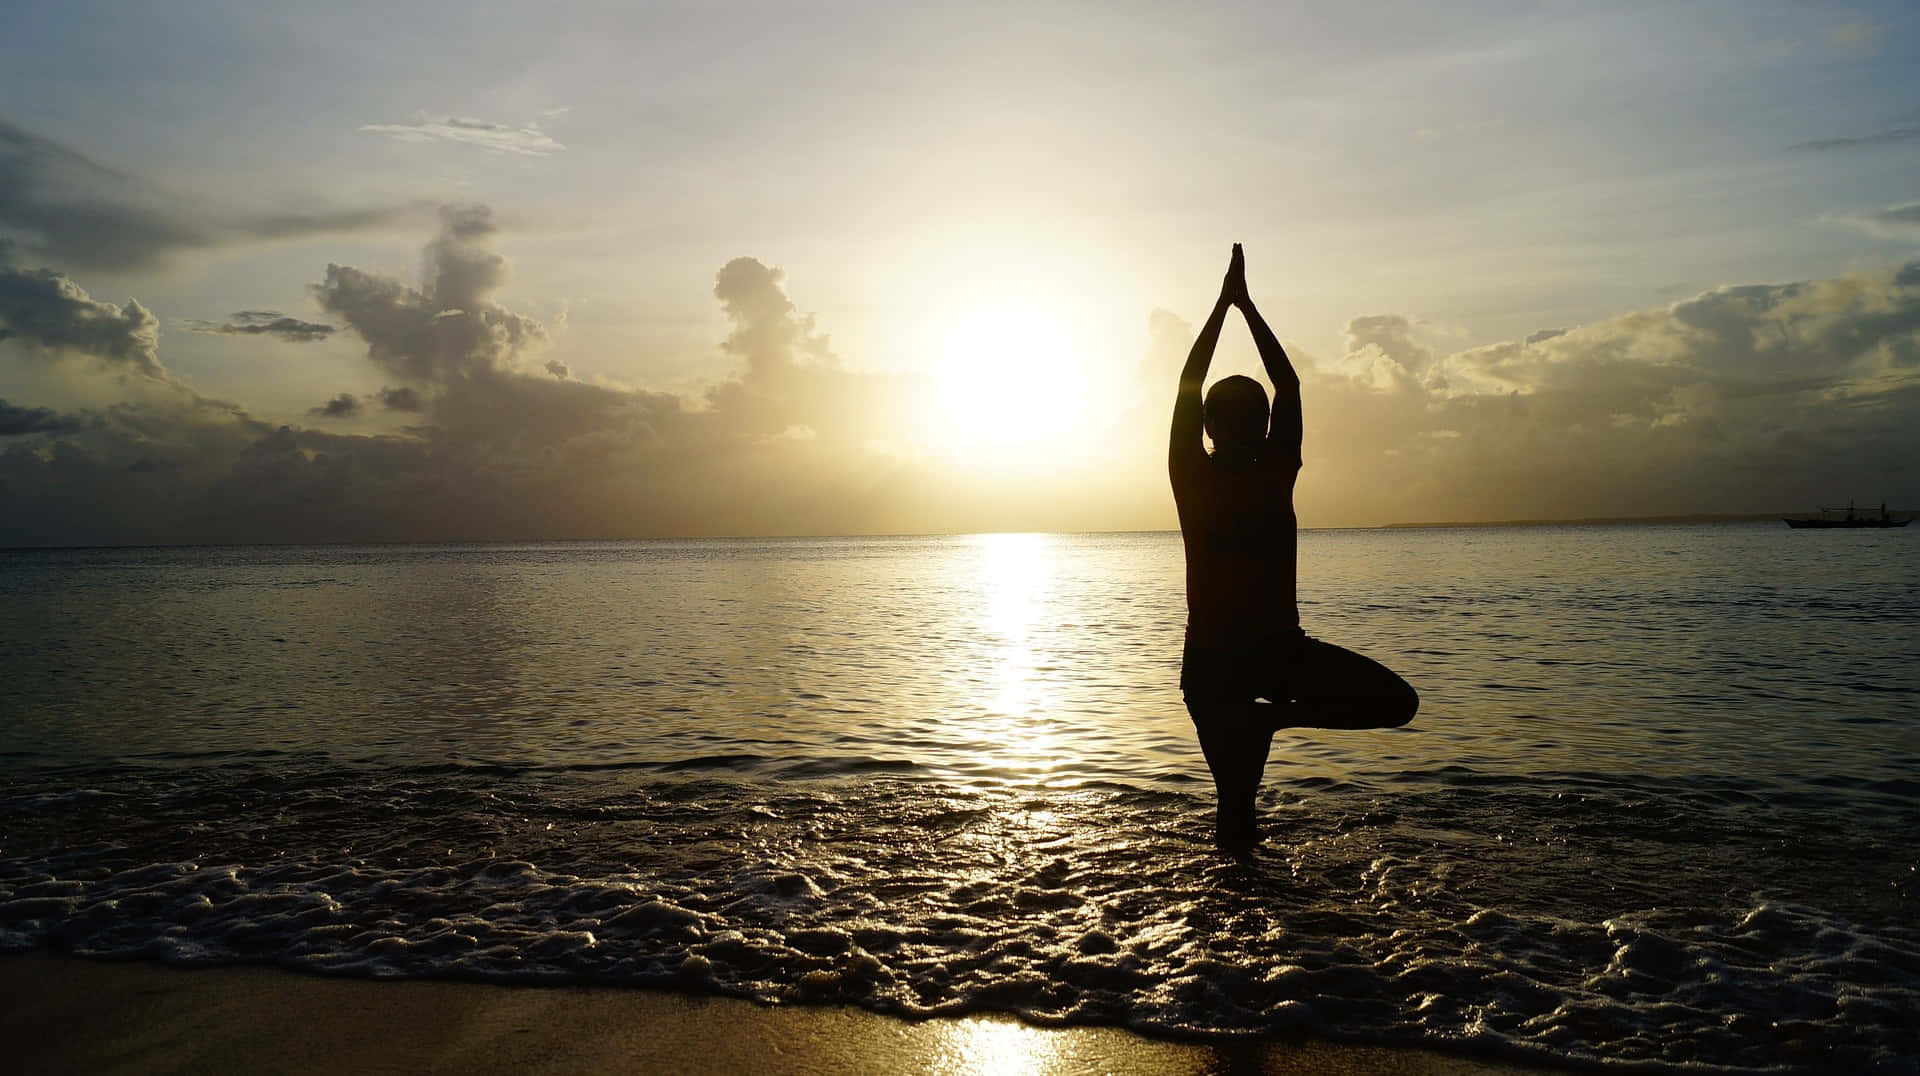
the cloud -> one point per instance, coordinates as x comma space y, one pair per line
502, 445
528, 141
1744, 398
1891, 137
1898, 221
78, 214
788, 362
1381, 352
1906, 215
401, 399
265, 323
448, 330
50, 314
345, 405
18, 421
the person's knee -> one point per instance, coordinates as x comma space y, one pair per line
1390, 701
1401, 703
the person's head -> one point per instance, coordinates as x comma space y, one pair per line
1236, 414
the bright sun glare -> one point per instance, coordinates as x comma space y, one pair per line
1012, 379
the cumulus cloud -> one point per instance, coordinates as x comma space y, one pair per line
528, 141
265, 323
783, 352
1745, 398
449, 329
1382, 353
50, 314
768, 331
465, 361
73, 212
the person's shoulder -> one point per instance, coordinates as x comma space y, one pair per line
1190, 465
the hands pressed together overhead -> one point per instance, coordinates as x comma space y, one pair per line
1233, 290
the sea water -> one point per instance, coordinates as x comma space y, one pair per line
1660, 806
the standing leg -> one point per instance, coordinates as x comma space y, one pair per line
1330, 687
1236, 743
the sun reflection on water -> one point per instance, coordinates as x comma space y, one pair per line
996, 1047
1013, 575
1013, 569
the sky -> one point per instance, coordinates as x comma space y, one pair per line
287, 273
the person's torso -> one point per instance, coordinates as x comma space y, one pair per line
1239, 531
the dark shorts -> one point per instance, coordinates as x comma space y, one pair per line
1243, 673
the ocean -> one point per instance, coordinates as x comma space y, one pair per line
1660, 808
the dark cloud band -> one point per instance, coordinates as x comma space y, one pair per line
265, 323
19, 421
77, 214
1891, 137
345, 405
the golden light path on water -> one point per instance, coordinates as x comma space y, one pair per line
1013, 574
996, 1047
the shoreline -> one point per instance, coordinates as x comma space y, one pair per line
62, 1014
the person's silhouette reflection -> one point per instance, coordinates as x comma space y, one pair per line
1248, 669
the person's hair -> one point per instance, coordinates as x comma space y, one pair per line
1236, 411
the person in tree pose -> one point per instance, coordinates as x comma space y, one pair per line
1248, 669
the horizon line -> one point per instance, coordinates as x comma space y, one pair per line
1696, 517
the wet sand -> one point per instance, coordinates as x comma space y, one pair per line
70, 1015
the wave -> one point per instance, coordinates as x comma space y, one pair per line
1586, 919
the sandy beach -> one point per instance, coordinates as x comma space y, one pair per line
71, 1015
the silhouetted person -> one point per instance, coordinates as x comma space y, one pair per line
1248, 669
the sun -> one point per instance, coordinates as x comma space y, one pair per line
1010, 379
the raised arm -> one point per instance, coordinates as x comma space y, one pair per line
1184, 447
1283, 429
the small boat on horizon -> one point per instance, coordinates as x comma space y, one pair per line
1826, 520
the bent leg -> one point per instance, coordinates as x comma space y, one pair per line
1235, 743
1331, 687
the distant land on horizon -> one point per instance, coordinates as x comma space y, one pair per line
1695, 517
